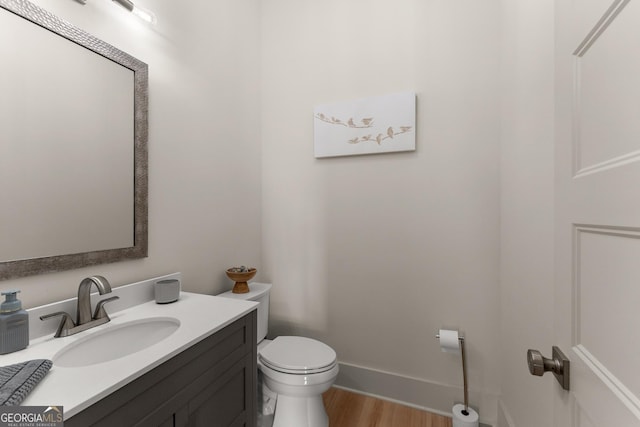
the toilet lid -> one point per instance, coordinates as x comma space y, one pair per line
298, 355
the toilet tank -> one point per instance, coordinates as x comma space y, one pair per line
258, 292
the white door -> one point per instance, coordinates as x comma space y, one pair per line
597, 301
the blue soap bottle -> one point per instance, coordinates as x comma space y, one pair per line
14, 324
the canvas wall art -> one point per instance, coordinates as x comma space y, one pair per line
380, 124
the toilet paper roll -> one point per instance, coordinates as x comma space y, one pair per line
462, 418
449, 342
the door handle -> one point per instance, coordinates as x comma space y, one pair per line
558, 364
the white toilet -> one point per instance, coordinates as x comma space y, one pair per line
296, 369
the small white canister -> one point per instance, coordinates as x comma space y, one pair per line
167, 291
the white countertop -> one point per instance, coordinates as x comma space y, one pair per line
77, 388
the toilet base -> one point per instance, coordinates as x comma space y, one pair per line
300, 412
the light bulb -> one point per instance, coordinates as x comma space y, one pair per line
142, 13
145, 14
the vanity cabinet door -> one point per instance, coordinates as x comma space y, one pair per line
222, 403
212, 383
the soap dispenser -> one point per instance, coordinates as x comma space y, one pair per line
14, 324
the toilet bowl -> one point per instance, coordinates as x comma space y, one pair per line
296, 370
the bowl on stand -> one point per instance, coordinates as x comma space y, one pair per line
241, 277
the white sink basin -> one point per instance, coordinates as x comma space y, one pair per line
116, 341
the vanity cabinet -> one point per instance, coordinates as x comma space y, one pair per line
211, 384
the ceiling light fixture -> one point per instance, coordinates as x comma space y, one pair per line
142, 13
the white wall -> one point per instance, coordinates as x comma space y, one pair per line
204, 150
374, 254
526, 272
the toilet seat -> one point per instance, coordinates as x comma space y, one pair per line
298, 356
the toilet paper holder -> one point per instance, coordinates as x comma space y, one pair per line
464, 374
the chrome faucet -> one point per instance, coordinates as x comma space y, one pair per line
84, 320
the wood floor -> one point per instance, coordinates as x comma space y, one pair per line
348, 409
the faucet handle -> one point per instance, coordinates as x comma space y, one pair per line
100, 312
65, 325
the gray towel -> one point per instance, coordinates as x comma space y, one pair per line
16, 381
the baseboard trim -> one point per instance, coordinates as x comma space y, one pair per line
504, 418
414, 392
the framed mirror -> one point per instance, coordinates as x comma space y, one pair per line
73, 146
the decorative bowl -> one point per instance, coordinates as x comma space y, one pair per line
241, 278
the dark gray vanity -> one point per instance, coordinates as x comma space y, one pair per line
212, 383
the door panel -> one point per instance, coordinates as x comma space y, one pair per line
598, 210
597, 394
607, 273
607, 92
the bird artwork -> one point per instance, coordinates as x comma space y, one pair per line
387, 125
